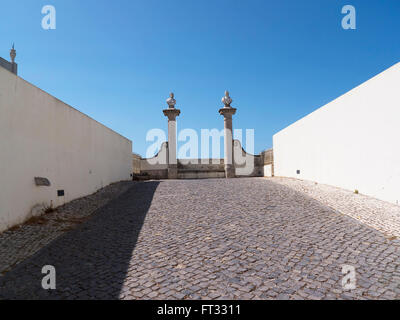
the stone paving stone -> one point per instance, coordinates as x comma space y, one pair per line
250, 238
380, 215
25, 240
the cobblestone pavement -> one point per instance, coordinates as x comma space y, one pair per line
380, 215
21, 242
213, 239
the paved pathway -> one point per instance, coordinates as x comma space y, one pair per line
380, 215
23, 241
214, 239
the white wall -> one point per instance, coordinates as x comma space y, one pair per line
352, 142
41, 136
268, 170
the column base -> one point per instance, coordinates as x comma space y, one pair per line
229, 171
173, 171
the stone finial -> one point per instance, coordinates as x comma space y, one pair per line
227, 100
13, 54
171, 101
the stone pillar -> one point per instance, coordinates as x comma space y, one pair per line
227, 111
172, 113
13, 54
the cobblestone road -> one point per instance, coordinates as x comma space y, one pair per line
213, 239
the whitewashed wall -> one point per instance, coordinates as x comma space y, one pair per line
352, 142
268, 170
41, 136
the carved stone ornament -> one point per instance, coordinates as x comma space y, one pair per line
171, 101
227, 100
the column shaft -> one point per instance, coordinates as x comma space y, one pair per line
172, 113
172, 161
172, 142
228, 112
228, 146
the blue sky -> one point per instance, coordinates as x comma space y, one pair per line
118, 60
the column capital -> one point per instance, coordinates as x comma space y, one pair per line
227, 111
171, 113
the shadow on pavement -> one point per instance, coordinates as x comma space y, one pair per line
91, 261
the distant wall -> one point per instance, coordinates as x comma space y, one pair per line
201, 168
41, 136
246, 164
136, 163
352, 142
156, 167
268, 162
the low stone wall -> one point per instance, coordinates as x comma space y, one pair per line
268, 162
136, 159
246, 164
156, 167
201, 168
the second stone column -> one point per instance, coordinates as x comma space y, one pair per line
172, 113
227, 111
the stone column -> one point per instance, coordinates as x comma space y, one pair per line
227, 111
172, 113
